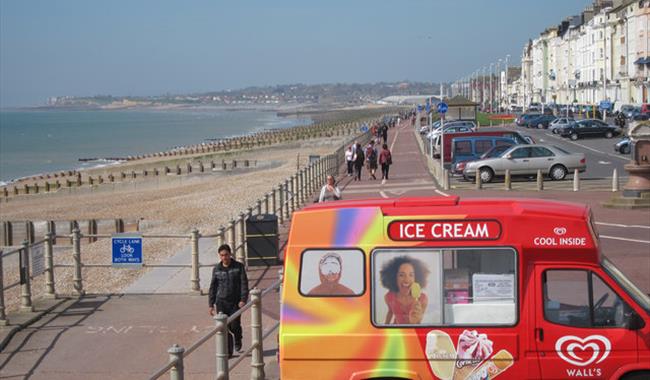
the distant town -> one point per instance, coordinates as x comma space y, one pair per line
268, 96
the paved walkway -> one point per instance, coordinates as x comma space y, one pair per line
126, 336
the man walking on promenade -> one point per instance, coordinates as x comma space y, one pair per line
228, 290
386, 160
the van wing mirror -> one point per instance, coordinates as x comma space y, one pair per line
635, 322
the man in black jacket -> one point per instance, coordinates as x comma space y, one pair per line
229, 290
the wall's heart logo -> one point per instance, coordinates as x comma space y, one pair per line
582, 352
559, 231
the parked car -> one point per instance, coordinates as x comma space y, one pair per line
625, 109
527, 160
540, 122
561, 122
624, 146
488, 131
496, 151
589, 128
630, 111
471, 148
454, 127
524, 118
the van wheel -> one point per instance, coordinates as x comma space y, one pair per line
486, 174
554, 130
574, 136
609, 135
558, 172
540, 126
637, 375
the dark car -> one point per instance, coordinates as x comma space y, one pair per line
541, 122
525, 118
624, 146
590, 128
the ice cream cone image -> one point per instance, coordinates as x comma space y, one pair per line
473, 349
441, 354
492, 368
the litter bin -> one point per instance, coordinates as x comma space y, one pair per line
262, 240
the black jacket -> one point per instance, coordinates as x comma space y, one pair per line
228, 284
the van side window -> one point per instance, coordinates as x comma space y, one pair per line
483, 146
332, 273
444, 287
580, 298
463, 147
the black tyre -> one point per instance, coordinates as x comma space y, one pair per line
609, 134
574, 136
554, 130
626, 149
540, 126
558, 172
486, 174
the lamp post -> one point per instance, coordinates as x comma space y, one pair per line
483, 88
491, 94
498, 85
507, 97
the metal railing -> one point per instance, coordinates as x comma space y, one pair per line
177, 354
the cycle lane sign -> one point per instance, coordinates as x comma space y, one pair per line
127, 249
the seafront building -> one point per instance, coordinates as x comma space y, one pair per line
601, 54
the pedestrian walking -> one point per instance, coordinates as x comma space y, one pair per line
349, 156
329, 192
384, 134
371, 159
386, 160
359, 159
229, 291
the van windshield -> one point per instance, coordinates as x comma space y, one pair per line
642, 299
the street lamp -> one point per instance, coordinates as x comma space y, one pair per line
491, 94
507, 102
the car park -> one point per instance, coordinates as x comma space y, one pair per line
589, 128
559, 123
624, 146
553, 161
471, 148
540, 122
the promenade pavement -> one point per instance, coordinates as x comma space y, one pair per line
126, 336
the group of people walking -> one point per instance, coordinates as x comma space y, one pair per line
372, 156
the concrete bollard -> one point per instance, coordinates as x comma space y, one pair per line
258, 206
49, 266
76, 256
221, 236
576, 180
446, 184
266, 203
540, 181
274, 201
257, 355
232, 236
242, 254
479, 184
221, 345
25, 280
177, 372
508, 180
615, 181
194, 280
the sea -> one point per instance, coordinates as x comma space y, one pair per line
42, 141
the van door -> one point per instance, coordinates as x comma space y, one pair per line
580, 324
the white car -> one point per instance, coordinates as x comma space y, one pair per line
558, 124
453, 127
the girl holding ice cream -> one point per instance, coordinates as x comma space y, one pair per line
404, 277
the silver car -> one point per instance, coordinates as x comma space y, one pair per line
526, 160
561, 122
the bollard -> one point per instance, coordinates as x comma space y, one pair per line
258, 206
221, 343
76, 256
195, 281
266, 203
221, 236
540, 180
446, 184
49, 266
242, 239
257, 355
25, 281
3, 314
273, 201
615, 181
508, 180
232, 235
177, 372
479, 185
576, 180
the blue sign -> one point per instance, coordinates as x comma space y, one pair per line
419, 107
364, 128
127, 249
442, 107
605, 105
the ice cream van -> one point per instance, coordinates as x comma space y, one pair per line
444, 288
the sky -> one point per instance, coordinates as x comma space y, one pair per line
152, 47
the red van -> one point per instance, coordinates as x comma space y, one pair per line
487, 131
645, 108
444, 288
